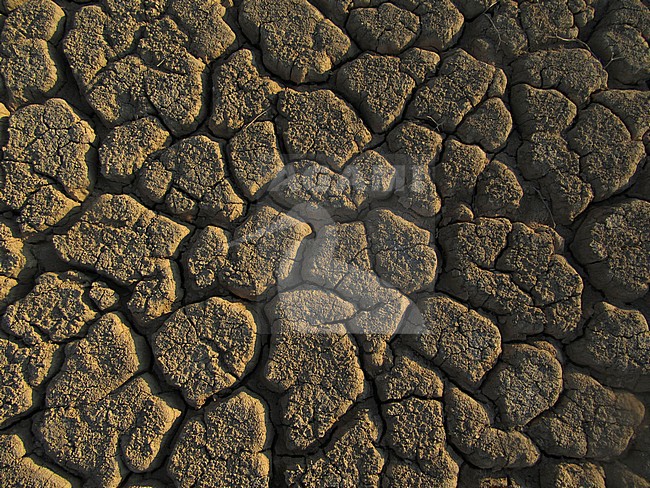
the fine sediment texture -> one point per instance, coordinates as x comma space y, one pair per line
324, 243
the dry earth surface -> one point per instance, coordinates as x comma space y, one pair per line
324, 243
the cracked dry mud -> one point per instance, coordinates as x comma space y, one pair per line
324, 243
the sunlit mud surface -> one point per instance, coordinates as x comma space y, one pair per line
324, 243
